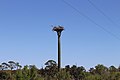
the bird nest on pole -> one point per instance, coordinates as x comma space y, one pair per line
58, 29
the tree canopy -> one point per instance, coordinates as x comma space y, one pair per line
12, 70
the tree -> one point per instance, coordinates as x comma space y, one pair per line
73, 71
51, 68
112, 69
5, 66
26, 73
101, 69
92, 70
33, 72
50, 64
67, 68
12, 65
81, 72
19, 75
18, 66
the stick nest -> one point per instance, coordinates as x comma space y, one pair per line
59, 28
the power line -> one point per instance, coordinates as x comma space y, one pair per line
98, 25
103, 13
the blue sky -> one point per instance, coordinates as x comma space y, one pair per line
26, 32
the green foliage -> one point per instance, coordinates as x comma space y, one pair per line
19, 75
51, 69
4, 75
26, 73
13, 71
33, 72
63, 75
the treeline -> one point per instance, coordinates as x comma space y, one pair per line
14, 71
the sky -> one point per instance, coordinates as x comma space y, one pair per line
91, 35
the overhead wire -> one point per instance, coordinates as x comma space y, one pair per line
91, 20
107, 17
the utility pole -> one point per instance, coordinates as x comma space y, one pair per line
59, 29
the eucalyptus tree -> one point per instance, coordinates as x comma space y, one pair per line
112, 69
12, 65
19, 75
81, 72
67, 68
5, 66
50, 63
18, 65
101, 69
51, 68
33, 72
92, 71
26, 73
78, 73
73, 71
